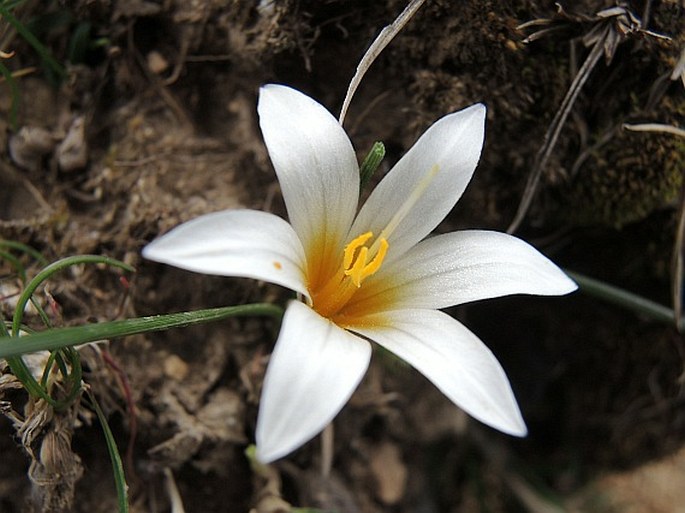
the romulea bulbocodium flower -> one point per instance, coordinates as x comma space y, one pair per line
371, 274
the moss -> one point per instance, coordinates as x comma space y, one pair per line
626, 180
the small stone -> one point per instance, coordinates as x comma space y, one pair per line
175, 367
72, 152
29, 146
156, 62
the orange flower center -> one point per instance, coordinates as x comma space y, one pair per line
359, 261
334, 279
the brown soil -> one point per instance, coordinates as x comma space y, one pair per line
166, 95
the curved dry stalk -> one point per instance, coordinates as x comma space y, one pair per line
677, 258
603, 139
655, 127
679, 69
677, 264
612, 26
552, 134
173, 493
327, 439
378, 45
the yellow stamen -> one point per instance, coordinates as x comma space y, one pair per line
331, 295
361, 270
348, 256
355, 268
375, 264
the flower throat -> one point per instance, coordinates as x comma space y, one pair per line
360, 261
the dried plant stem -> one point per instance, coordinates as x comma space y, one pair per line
172, 490
379, 44
655, 127
677, 260
677, 264
552, 134
327, 439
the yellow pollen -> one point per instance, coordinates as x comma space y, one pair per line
350, 249
358, 263
331, 294
361, 270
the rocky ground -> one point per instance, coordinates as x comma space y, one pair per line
150, 120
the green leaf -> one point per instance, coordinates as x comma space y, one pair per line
622, 297
56, 338
115, 457
51, 269
371, 163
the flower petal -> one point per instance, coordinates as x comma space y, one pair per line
313, 371
453, 144
315, 163
454, 359
460, 267
244, 243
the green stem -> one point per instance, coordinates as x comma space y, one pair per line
51, 269
15, 263
24, 249
622, 297
57, 338
16, 363
115, 457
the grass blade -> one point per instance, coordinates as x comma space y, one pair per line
115, 457
57, 338
51, 269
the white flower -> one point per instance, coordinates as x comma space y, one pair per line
365, 276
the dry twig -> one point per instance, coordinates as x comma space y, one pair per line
379, 44
609, 28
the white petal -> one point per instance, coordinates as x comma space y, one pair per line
453, 143
460, 267
313, 371
245, 243
315, 163
454, 359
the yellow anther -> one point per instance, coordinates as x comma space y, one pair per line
351, 248
329, 299
334, 287
375, 264
359, 270
356, 272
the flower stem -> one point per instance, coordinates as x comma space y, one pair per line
56, 338
622, 297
